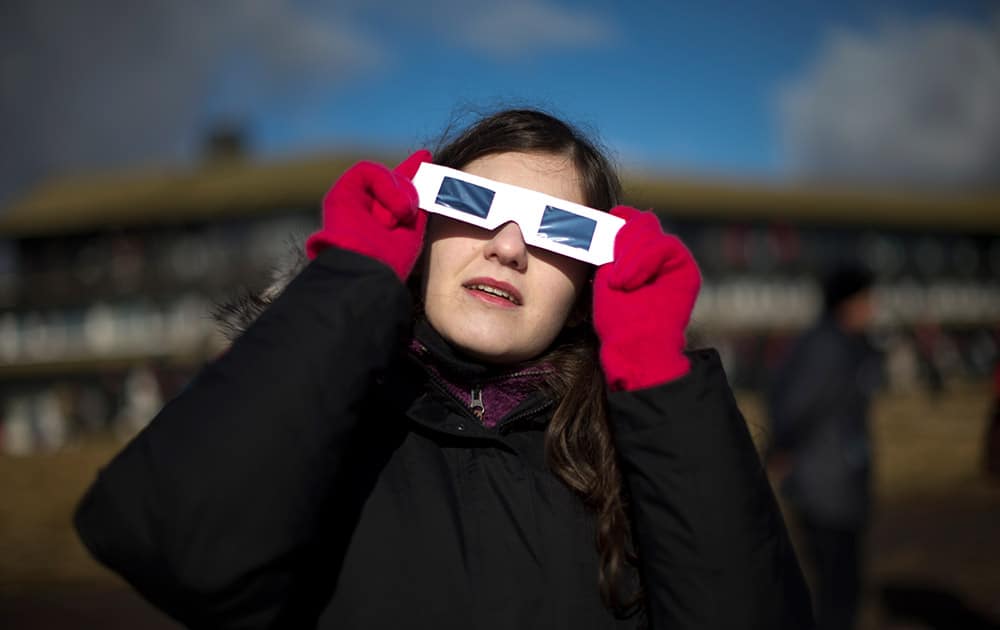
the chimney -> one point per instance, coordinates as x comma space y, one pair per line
225, 142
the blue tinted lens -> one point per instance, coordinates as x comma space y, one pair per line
465, 197
567, 228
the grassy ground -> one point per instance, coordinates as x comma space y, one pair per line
937, 523
937, 518
47, 578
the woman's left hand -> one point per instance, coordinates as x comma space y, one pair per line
643, 302
375, 212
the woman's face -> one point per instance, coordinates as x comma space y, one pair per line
488, 293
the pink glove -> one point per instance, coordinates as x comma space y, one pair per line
373, 211
642, 304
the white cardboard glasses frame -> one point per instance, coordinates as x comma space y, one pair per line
545, 221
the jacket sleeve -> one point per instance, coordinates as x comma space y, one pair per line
713, 549
211, 510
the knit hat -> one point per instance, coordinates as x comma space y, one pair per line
844, 281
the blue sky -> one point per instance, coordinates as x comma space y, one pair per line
688, 86
758, 89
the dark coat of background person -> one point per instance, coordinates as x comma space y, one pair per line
991, 441
316, 476
819, 405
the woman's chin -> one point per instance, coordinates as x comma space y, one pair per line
491, 353
494, 348
491, 337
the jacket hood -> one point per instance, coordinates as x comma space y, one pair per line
233, 316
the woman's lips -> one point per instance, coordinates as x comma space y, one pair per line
493, 291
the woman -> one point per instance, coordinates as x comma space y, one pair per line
342, 466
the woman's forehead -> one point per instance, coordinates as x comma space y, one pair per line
554, 175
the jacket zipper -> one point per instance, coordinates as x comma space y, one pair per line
477, 392
476, 402
447, 392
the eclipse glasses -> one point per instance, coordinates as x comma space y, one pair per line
548, 222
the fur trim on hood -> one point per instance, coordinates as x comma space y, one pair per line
235, 315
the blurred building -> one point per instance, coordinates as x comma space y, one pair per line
107, 282
761, 249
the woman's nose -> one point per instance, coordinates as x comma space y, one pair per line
507, 246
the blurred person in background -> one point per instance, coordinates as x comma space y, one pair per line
529, 447
991, 452
820, 446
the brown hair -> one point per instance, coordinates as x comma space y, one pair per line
579, 445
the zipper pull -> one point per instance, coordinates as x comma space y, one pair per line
477, 406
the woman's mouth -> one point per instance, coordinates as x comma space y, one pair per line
494, 292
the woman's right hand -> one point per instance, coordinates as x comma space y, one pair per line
374, 211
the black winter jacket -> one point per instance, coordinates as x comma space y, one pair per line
313, 476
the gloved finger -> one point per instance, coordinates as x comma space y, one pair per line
678, 255
396, 205
661, 255
638, 226
625, 212
361, 181
393, 199
408, 167
639, 249
641, 266
399, 210
605, 271
679, 264
689, 274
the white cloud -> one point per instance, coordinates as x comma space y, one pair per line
525, 27
109, 82
917, 102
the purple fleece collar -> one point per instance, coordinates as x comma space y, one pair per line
500, 390
499, 396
